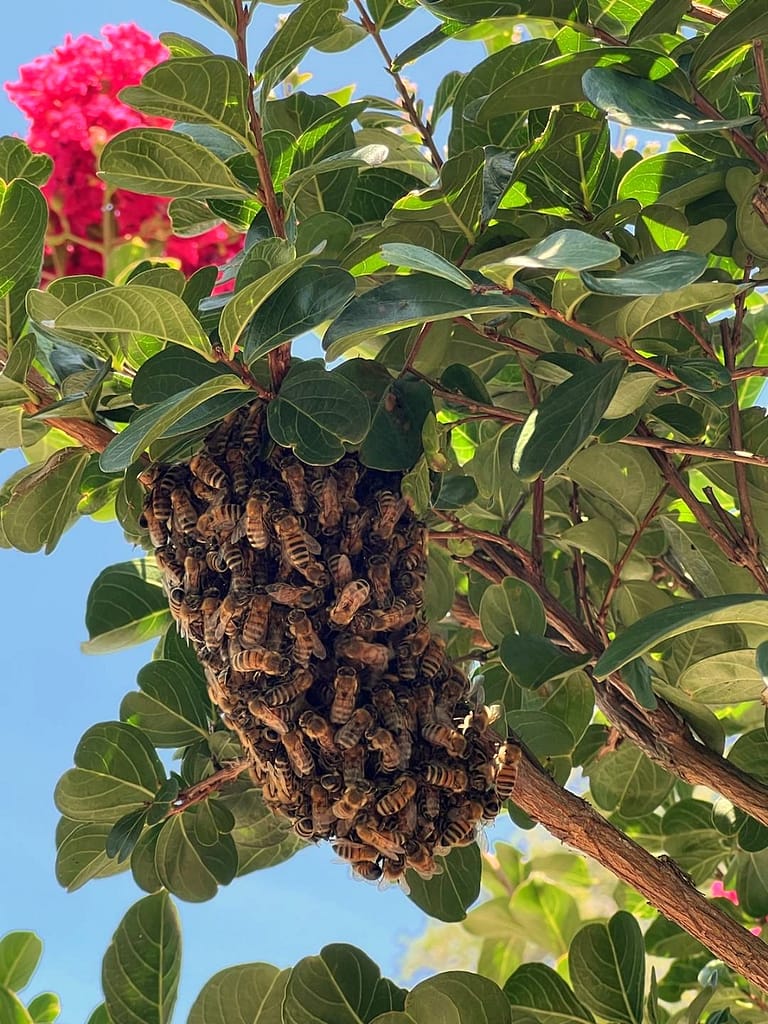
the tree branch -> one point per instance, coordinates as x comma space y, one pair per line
663, 884
202, 790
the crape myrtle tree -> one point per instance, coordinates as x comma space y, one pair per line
542, 363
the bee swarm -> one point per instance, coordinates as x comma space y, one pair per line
300, 589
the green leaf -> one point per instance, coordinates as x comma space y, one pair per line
152, 423
446, 896
546, 914
169, 372
638, 103
307, 25
23, 220
124, 835
81, 853
136, 309
607, 967
211, 91
393, 441
17, 160
533, 660
560, 425
727, 678
747, 21
405, 302
415, 257
157, 162
173, 707
192, 857
20, 954
126, 605
116, 771
340, 986
44, 503
661, 16
44, 1008
564, 250
247, 994
539, 992
262, 838
456, 997
220, 12
511, 606
628, 782
663, 273
140, 971
315, 412
307, 299
12, 1010
650, 631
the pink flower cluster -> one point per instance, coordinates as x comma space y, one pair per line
718, 889
70, 98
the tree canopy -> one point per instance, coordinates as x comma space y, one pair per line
556, 341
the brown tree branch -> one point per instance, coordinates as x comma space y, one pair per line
695, 450
202, 790
666, 888
706, 14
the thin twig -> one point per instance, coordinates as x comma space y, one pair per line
725, 518
416, 347
707, 14
409, 106
241, 371
695, 333
579, 569
695, 450
202, 790
737, 137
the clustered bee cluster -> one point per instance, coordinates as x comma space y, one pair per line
300, 589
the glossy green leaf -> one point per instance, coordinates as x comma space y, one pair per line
17, 160
247, 994
192, 858
447, 895
140, 971
533, 660
511, 606
116, 771
262, 839
747, 21
148, 426
393, 441
126, 605
340, 986
560, 425
726, 678
537, 991
628, 782
153, 161
12, 1010
316, 411
44, 1008
415, 257
646, 634
23, 220
404, 302
307, 299
169, 372
45, 502
663, 273
607, 967
173, 707
136, 309
202, 90
81, 853
20, 954
307, 25
638, 103
220, 12
458, 996
124, 835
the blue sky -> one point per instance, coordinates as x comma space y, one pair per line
52, 693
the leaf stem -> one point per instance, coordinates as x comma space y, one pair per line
241, 371
409, 106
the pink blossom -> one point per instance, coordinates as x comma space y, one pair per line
718, 889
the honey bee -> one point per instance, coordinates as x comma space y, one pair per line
254, 631
297, 549
250, 431
256, 515
423, 862
205, 469
367, 870
319, 730
326, 494
184, 513
298, 753
395, 800
353, 529
346, 473
213, 558
424, 696
229, 611
353, 799
418, 640
263, 713
407, 666
389, 510
259, 659
429, 802
443, 777
482, 776
295, 597
298, 683
322, 812
508, 759
341, 571
456, 833
388, 709
406, 820
238, 470
374, 656
304, 829
209, 610
381, 582
410, 586
481, 718
353, 764
216, 441
175, 601
350, 733
155, 527
350, 600
283, 777
382, 740
390, 844
193, 572
292, 473
411, 559
445, 736
220, 519
433, 658
491, 807
190, 618
173, 572
354, 852
306, 643
391, 619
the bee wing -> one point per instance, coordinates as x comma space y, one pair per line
312, 544
239, 531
